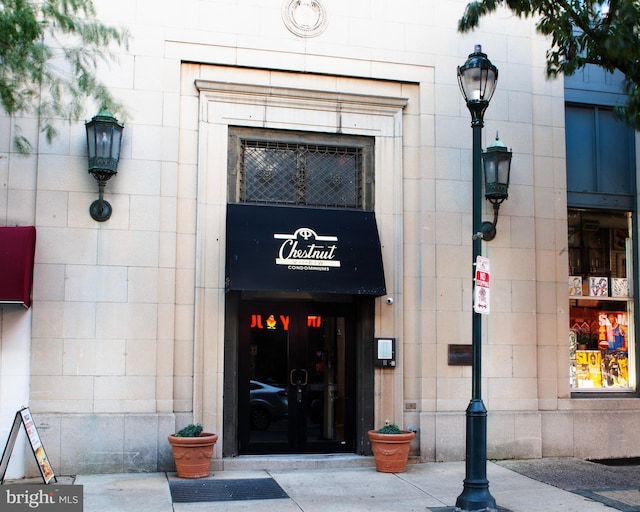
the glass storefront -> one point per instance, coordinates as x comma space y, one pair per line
601, 334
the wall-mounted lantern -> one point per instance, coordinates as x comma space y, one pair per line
496, 160
104, 138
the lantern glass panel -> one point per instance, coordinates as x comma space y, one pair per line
117, 140
504, 166
490, 175
91, 140
104, 136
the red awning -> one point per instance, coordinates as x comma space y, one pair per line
17, 251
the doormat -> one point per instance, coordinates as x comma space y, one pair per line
199, 491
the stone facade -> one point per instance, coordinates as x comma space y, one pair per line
125, 338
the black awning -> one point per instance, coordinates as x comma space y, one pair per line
281, 248
17, 251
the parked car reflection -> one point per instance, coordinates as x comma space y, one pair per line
267, 403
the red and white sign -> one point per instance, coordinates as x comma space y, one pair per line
481, 286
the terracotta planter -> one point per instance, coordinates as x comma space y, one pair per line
193, 454
391, 451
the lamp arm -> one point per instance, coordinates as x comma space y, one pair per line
488, 229
101, 184
496, 207
100, 209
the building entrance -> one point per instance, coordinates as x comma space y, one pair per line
296, 378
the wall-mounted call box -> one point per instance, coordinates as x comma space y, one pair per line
385, 352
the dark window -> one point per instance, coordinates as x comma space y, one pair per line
600, 159
289, 168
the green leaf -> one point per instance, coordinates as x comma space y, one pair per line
580, 34
390, 429
190, 430
49, 51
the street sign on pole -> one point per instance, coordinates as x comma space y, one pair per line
481, 294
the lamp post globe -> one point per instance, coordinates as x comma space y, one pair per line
477, 79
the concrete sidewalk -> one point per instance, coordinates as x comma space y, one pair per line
424, 487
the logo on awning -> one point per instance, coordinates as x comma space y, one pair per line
306, 250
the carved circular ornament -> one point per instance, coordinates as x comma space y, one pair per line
305, 18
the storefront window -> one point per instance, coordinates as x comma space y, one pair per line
601, 337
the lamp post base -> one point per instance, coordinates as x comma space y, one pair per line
475, 496
477, 499
100, 210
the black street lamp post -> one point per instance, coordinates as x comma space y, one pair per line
477, 78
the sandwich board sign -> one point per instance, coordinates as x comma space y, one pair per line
23, 416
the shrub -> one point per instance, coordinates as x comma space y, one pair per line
190, 431
390, 429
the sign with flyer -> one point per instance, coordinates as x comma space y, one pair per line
481, 286
23, 416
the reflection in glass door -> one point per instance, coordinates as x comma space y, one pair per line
296, 379
267, 376
326, 387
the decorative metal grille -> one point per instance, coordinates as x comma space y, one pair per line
300, 174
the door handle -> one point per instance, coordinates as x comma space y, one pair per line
296, 374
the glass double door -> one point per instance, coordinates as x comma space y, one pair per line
296, 379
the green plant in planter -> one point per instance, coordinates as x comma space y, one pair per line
190, 430
192, 451
390, 446
390, 429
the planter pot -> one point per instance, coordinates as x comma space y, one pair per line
391, 451
193, 454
